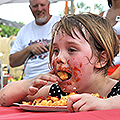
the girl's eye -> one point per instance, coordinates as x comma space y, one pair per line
71, 49
56, 51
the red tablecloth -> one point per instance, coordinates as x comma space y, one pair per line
16, 113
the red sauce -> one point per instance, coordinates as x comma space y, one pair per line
61, 38
80, 65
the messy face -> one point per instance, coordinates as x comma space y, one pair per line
40, 10
73, 56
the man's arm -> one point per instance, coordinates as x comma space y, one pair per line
19, 58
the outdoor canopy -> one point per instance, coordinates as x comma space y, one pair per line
22, 1
52, 1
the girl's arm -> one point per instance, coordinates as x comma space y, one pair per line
13, 92
87, 102
16, 91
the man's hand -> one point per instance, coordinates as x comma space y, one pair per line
38, 48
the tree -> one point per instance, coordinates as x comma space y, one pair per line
7, 31
82, 7
98, 8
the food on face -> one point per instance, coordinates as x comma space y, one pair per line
74, 88
63, 75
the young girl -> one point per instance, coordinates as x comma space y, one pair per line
83, 46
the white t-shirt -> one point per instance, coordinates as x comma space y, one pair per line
31, 34
117, 30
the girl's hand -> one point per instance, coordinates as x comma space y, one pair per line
33, 85
86, 102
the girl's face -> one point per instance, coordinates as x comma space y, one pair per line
72, 56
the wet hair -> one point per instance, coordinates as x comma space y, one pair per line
101, 34
109, 3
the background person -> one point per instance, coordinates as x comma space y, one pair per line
29, 47
115, 74
113, 16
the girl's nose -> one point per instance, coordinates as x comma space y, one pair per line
61, 59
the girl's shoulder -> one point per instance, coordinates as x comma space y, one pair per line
115, 90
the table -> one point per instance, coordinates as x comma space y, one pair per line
16, 113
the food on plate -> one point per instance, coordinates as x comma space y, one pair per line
98, 95
54, 101
63, 75
50, 101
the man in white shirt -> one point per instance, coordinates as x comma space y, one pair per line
30, 45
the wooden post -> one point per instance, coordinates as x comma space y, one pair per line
66, 7
72, 7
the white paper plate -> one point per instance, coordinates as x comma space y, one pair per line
42, 108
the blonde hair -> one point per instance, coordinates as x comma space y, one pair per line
102, 35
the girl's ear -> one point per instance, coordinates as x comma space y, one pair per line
103, 60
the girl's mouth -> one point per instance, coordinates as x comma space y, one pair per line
63, 75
